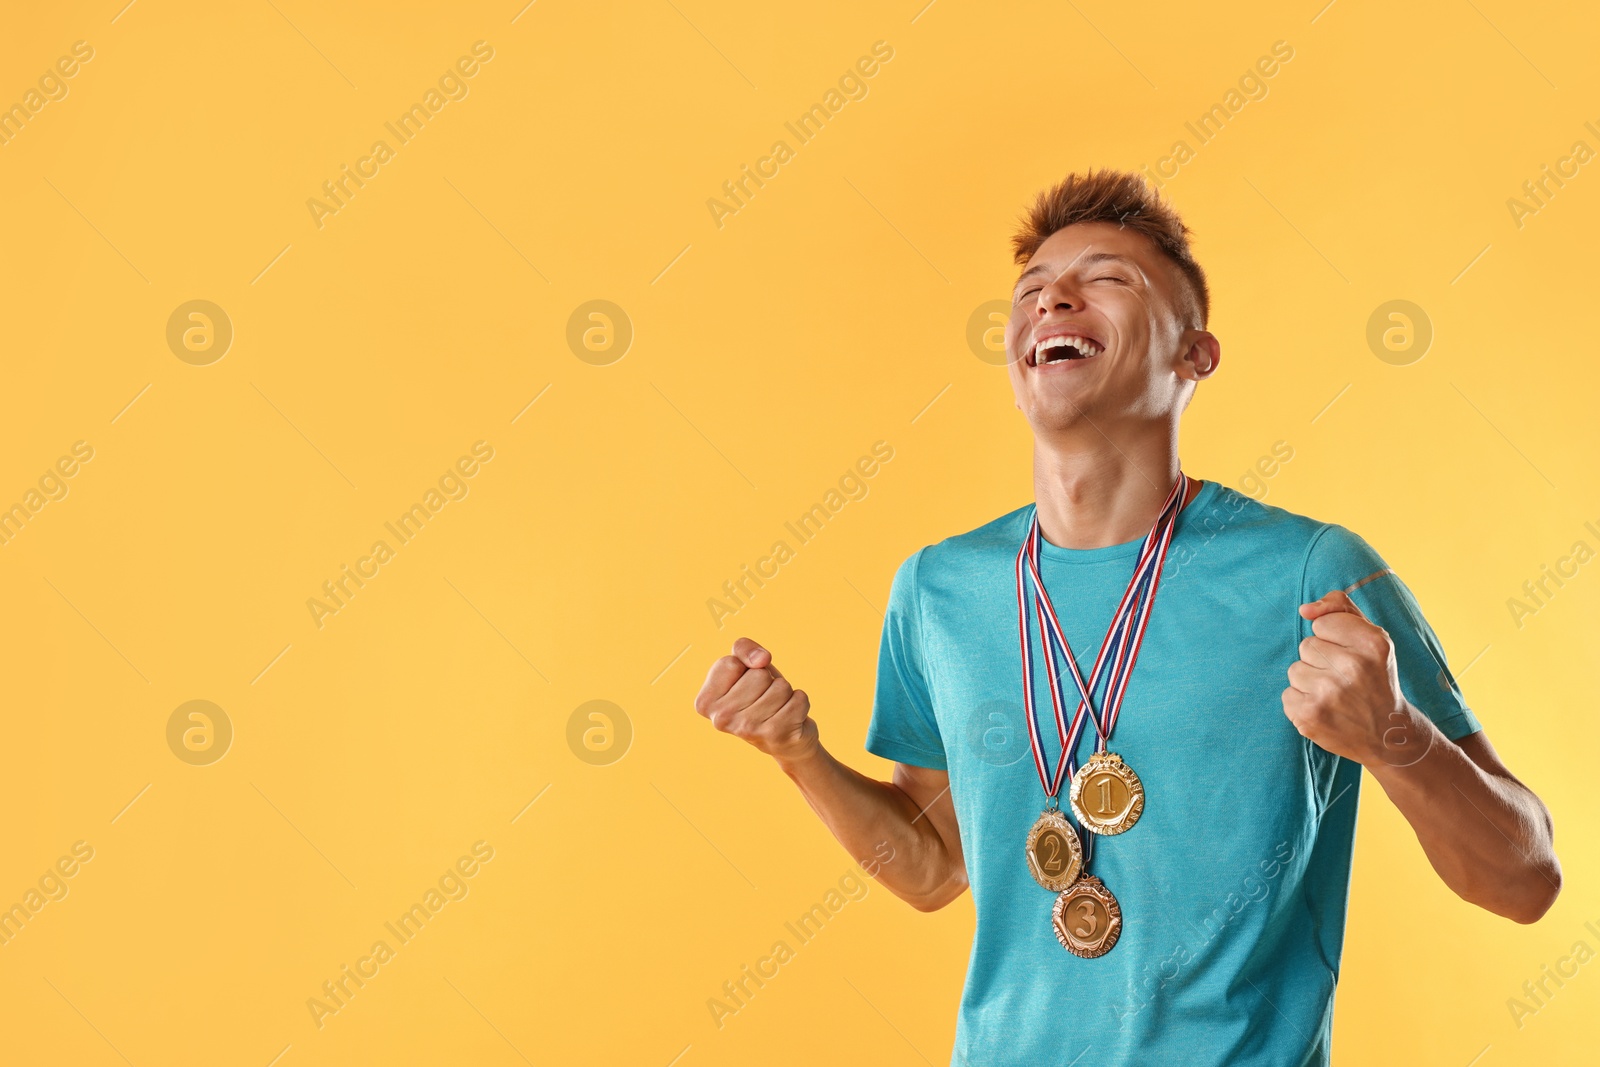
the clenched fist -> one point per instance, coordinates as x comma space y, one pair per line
745, 696
1344, 693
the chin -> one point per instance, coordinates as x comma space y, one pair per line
1058, 418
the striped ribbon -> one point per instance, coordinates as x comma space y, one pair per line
1119, 649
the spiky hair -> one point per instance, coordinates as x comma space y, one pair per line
1119, 197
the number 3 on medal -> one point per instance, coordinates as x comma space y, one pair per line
1087, 919
1086, 911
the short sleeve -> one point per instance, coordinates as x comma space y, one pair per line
903, 726
1340, 559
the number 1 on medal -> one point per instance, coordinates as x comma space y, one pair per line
1115, 795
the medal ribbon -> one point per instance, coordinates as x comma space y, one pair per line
1116, 650
1114, 640
1134, 606
1119, 685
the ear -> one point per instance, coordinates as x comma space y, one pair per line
1201, 355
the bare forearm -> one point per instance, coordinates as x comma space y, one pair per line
914, 851
1489, 838
864, 814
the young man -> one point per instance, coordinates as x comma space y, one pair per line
1173, 890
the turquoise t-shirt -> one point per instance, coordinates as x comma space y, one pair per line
1233, 884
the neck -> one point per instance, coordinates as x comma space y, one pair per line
1104, 491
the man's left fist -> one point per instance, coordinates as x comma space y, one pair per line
1344, 693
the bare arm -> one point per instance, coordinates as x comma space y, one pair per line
1487, 835
745, 695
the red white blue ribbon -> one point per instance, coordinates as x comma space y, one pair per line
1119, 650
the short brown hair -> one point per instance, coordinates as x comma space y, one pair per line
1121, 197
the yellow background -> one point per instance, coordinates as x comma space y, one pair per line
768, 354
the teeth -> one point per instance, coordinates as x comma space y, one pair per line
1082, 345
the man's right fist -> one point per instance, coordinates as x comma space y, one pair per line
744, 695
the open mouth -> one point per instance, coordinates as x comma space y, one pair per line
1063, 347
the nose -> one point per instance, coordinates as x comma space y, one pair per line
1059, 294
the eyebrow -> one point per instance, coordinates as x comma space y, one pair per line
1091, 258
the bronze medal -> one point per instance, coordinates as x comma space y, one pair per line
1087, 919
1055, 855
1106, 796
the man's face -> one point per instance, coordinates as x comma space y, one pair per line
1132, 353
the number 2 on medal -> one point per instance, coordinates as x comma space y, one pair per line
1086, 909
1052, 862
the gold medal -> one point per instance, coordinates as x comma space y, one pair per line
1087, 919
1055, 855
1106, 796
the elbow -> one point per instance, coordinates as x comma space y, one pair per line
1542, 897
945, 894
1542, 885
1541, 879
1545, 878
930, 904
